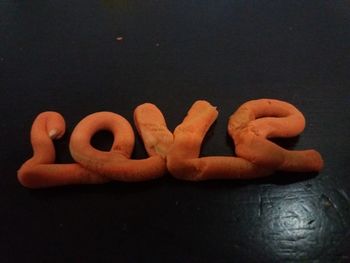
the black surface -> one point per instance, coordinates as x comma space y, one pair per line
64, 56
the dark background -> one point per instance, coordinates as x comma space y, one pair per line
65, 56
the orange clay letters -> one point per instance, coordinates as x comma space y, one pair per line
250, 127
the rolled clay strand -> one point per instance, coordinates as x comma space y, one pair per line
41, 171
256, 121
151, 126
183, 159
116, 163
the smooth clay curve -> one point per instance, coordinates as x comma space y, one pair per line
256, 121
40, 171
116, 163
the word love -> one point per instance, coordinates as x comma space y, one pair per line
250, 127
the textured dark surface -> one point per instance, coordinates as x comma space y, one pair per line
65, 56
